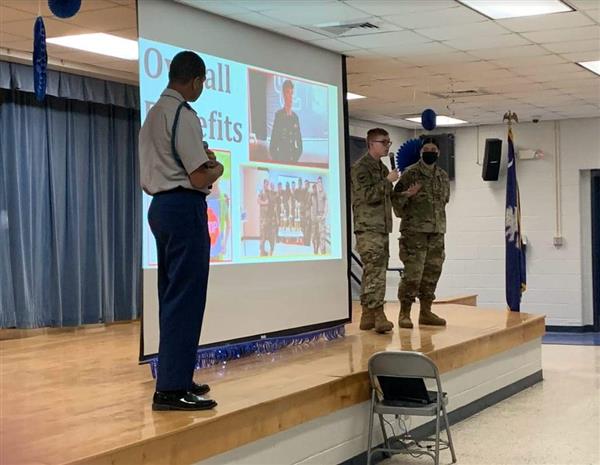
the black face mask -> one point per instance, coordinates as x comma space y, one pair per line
430, 157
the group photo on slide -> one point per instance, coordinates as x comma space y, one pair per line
285, 213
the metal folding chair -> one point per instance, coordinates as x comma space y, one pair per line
404, 364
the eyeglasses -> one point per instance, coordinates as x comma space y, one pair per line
384, 142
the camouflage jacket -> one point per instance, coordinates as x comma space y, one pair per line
425, 211
371, 196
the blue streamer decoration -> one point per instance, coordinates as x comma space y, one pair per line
408, 153
64, 8
40, 59
222, 354
428, 119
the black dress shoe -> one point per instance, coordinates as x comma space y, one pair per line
199, 389
180, 400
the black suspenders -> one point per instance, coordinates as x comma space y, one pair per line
174, 130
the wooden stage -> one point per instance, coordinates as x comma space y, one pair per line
80, 397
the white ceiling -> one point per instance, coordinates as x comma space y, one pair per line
425, 53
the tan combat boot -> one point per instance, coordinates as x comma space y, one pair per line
367, 319
382, 324
404, 317
427, 317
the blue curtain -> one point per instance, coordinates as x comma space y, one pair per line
70, 212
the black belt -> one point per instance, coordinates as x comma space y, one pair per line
180, 189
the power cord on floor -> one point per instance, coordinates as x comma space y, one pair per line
398, 438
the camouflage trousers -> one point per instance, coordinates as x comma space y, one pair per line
423, 257
374, 251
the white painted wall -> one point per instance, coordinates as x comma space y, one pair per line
559, 279
475, 239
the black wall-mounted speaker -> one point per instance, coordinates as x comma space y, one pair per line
491, 160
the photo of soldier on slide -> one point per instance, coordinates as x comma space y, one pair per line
286, 136
285, 214
289, 120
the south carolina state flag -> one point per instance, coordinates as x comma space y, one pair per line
515, 253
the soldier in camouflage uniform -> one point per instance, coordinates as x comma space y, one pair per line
420, 199
372, 208
266, 203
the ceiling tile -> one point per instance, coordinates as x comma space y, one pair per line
473, 68
219, 7
127, 3
593, 14
326, 13
445, 17
365, 65
573, 46
106, 20
582, 56
468, 43
509, 52
22, 45
485, 28
299, 33
6, 38
127, 33
266, 5
561, 35
546, 22
395, 7
510, 62
54, 28
35, 6
359, 52
564, 83
386, 39
534, 70
585, 4
334, 45
453, 57
10, 14
408, 49
259, 20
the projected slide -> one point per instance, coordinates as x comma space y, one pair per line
278, 138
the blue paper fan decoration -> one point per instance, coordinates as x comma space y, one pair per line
428, 119
40, 59
64, 8
408, 153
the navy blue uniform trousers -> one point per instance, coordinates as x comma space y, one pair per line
179, 224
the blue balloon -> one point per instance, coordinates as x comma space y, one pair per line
408, 153
428, 119
40, 59
64, 8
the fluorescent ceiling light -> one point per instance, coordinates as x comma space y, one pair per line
104, 44
351, 96
440, 120
501, 9
593, 66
